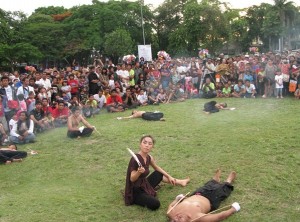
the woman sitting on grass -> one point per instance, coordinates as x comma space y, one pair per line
140, 189
22, 130
11, 154
74, 131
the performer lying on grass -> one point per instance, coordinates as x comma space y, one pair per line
140, 189
213, 107
11, 154
74, 131
154, 116
204, 200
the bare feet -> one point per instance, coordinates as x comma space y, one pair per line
183, 182
7, 162
17, 160
217, 175
162, 119
231, 177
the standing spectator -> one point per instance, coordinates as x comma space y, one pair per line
279, 84
73, 83
93, 81
270, 72
165, 76
8, 94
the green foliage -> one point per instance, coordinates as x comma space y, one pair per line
118, 43
81, 179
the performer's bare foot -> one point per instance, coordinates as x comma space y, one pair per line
162, 119
231, 177
183, 182
217, 175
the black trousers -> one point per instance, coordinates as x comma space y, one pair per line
8, 155
143, 199
152, 116
215, 192
85, 133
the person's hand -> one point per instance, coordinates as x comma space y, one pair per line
172, 180
141, 170
25, 134
21, 137
236, 206
119, 118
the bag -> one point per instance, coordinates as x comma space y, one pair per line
292, 86
13, 104
286, 77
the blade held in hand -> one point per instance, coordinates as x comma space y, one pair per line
135, 157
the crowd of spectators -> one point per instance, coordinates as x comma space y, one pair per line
36, 101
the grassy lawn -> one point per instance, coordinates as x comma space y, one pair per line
80, 180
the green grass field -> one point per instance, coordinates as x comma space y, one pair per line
80, 180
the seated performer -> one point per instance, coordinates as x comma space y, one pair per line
204, 200
140, 189
154, 116
74, 131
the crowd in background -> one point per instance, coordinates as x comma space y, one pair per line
35, 101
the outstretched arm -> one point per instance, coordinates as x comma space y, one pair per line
216, 217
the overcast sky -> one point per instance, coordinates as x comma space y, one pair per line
30, 5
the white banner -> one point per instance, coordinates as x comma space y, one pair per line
145, 51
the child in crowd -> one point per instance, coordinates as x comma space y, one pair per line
30, 102
161, 96
279, 84
12, 121
49, 120
66, 89
111, 82
226, 91
142, 98
238, 89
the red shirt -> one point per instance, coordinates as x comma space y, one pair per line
47, 109
74, 85
114, 99
60, 112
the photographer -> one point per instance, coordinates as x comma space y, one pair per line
208, 89
129, 99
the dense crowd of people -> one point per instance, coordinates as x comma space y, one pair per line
35, 101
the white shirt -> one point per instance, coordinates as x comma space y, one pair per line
14, 129
101, 100
142, 98
279, 81
25, 91
45, 83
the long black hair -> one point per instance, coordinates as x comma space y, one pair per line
20, 122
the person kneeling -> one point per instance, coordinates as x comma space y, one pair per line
74, 131
204, 200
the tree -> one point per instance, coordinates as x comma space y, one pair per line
11, 55
118, 43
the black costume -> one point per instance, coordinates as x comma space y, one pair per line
154, 116
141, 192
215, 192
211, 107
10, 155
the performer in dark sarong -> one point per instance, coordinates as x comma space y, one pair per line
151, 116
140, 189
